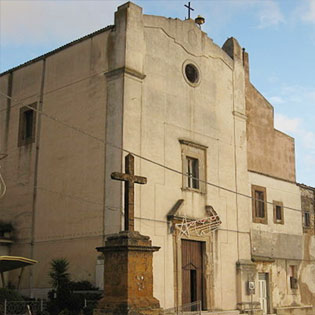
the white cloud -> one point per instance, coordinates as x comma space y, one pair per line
294, 95
287, 124
31, 22
276, 100
270, 15
308, 138
302, 94
35, 22
296, 118
311, 96
295, 127
273, 79
309, 161
309, 14
305, 145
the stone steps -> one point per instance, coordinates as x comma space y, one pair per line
214, 313
217, 313
222, 313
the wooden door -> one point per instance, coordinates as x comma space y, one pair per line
192, 271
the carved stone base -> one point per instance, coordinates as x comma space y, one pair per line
250, 308
122, 311
245, 273
128, 276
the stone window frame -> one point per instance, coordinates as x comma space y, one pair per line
275, 205
190, 62
257, 219
197, 151
22, 139
309, 225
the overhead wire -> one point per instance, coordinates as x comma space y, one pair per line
111, 208
51, 238
37, 94
3, 186
145, 158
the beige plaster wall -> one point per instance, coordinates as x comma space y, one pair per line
18, 166
262, 138
55, 200
289, 194
161, 109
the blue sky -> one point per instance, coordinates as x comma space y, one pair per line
278, 35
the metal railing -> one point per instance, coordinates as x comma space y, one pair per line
35, 307
193, 308
22, 307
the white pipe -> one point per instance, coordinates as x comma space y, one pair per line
2, 183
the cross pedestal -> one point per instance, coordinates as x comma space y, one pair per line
128, 255
128, 275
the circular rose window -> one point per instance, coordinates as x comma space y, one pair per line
191, 73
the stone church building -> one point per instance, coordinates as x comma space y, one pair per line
202, 135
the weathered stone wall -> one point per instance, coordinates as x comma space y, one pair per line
308, 205
275, 247
294, 310
270, 151
307, 278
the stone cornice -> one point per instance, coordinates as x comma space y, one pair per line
125, 70
271, 176
193, 144
239, 115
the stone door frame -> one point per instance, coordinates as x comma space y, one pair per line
208, 296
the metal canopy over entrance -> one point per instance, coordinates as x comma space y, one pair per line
8, 263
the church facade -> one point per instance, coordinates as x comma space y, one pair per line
235, 230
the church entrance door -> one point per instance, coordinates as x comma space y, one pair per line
192, 272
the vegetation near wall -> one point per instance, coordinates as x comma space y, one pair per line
65, 298
10, 295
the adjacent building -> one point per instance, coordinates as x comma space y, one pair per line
200, 132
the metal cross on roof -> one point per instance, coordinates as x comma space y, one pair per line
189, 9
130, 180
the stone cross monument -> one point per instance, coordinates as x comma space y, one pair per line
128, 274
130, 179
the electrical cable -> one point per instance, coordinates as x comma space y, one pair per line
94, 234
2, 186
146, 159
20, 101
